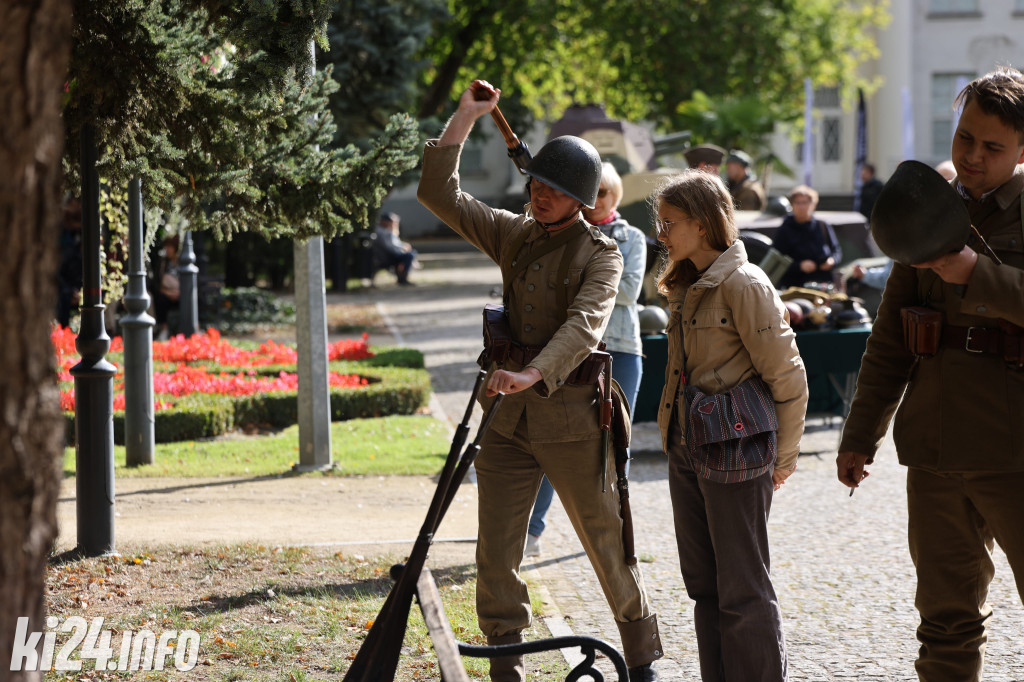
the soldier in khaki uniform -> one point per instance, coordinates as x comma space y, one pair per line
746, 191
960, 408
558, 304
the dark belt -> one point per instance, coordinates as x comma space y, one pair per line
523, 355
585, 374
985, 340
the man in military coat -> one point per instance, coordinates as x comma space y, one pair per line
746, 191
558, 301
960, 402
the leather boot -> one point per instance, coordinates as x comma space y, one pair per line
507, 668
643, 673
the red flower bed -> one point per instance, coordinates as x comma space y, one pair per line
185, 379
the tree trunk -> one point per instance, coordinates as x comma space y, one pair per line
35, 38
440, 91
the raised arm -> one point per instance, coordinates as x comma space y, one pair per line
470, 109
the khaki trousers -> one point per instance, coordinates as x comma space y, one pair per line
954, 519
509, 472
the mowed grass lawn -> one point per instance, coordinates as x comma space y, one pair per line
399, 445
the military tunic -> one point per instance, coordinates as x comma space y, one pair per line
562, 301
958, 430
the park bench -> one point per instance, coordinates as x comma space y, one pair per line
449, 650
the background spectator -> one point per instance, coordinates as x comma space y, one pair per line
168, 288
870, 188
746, 191
390, 251
946, 169
810, 242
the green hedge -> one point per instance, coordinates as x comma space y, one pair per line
391, 390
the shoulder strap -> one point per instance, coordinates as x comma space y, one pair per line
520, 262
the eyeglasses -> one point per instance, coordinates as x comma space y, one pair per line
663, 226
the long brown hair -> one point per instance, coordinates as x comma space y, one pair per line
702, 196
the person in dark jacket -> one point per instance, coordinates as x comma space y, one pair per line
810, 242
870, 188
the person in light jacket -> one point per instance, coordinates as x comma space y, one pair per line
622, 336
726, 324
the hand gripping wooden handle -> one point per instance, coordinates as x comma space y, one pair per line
483, 90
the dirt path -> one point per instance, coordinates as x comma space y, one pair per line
369, 515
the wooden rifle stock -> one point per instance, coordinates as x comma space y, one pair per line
377, 658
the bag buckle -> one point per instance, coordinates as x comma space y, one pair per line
967, 341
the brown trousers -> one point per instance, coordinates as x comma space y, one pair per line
509, 472
722, 535
954, 519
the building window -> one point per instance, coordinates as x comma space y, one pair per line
826, 98
1018, 7
945, 87
955, 6
831, 144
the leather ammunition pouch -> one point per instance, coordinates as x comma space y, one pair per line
497, 335
922, 330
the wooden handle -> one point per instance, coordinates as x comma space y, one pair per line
483, 90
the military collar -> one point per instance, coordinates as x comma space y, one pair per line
1004, 195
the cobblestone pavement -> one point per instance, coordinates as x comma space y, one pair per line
840, 563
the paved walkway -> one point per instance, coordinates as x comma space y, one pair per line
840, 563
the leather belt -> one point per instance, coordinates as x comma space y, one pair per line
985, 340
523, 355
585, 374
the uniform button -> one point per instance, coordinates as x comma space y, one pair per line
565, 281
528, 307
559, 382
668, 404
723, 320
528, 328
514, 263
675, 371
536, 266
693, 321
982, 308
530, 287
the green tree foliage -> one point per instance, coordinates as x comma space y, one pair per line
212, 104
646, 61
375, 51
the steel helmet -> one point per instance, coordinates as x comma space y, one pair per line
653, 320
571, 165
919, 216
